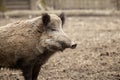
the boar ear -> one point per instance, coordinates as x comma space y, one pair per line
45, 19
62, 17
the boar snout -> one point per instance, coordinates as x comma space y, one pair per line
66, 42
73, 45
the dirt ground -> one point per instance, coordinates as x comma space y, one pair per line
97, 56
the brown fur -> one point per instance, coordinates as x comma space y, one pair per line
28, 44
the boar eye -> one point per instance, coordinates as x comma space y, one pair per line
53, 29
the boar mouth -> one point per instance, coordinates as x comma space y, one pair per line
56, 48
63, 45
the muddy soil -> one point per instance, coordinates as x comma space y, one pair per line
97, 56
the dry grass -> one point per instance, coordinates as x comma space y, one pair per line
97, 56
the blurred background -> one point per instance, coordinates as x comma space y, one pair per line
71, 7
6, 5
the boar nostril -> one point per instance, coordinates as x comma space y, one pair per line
73, 46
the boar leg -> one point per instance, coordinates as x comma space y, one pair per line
26, 67
36, 70
27, 72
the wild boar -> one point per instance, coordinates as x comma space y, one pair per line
28, 44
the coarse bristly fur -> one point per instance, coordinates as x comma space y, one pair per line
28, 44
